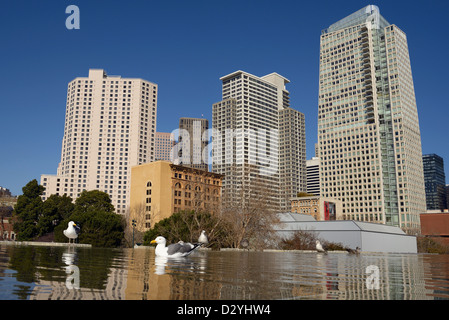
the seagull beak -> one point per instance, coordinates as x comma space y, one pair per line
153, 241
75, 225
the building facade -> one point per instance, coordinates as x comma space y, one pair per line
164, 142
110, 126
161, 188
258, 140
368, 127
313, 176
193, 141
321, 209
435, 182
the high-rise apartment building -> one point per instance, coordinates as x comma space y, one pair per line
368, 128
110, 124
435, 182
164, 142
193, 142
258, 140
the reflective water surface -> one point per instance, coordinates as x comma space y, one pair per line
41, 273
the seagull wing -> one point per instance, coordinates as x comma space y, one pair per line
181, 249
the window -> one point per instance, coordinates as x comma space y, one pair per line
148, 196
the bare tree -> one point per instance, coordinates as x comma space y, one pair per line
250, 215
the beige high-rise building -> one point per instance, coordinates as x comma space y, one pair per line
368, 127
110, 125
258, 140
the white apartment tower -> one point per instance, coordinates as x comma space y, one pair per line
368, 127
110, 126
258, 140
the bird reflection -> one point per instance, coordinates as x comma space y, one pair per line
181, 264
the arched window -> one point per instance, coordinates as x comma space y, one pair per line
148, 196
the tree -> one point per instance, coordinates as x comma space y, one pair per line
100, 225
187, 226
249, 213
27, 211
54, 210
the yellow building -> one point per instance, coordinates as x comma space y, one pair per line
160, 188
320, 208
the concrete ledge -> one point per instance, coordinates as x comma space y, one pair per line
45, 244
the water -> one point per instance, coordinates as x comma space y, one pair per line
41, 273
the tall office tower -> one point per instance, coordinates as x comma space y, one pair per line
192, 147
368, 128
313, 176
110, 124
164, 142
435, 182
252, 126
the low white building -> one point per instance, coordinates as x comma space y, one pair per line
368, 236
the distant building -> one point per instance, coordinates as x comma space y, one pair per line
193, 152
164, 143
435, 182
7, 203
436, 226
161, 188
320, 208
313, 176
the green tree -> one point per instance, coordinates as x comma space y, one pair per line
55, 209
100, 225
27, 211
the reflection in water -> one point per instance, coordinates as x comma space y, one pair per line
78, 273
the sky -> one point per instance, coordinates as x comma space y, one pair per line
185, 47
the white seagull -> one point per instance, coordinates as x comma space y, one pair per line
72, 231
203, 238
320, 247
175, 250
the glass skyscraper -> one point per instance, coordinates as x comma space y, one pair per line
435, 181
368, 127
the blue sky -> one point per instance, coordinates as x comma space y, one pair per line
185, 47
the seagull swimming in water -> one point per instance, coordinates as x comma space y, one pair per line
175, 250
72, 231
320, 248
203, 238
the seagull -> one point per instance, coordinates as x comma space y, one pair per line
320, 247
175, 250
72, 231
352, 251
203, 238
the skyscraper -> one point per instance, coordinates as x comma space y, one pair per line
109, 127
164, 142
368, 128
313, 176
258, 140
192, 152
435, 181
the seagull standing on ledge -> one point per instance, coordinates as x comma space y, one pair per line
203, 238
320, 247
175, 250
72, 231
